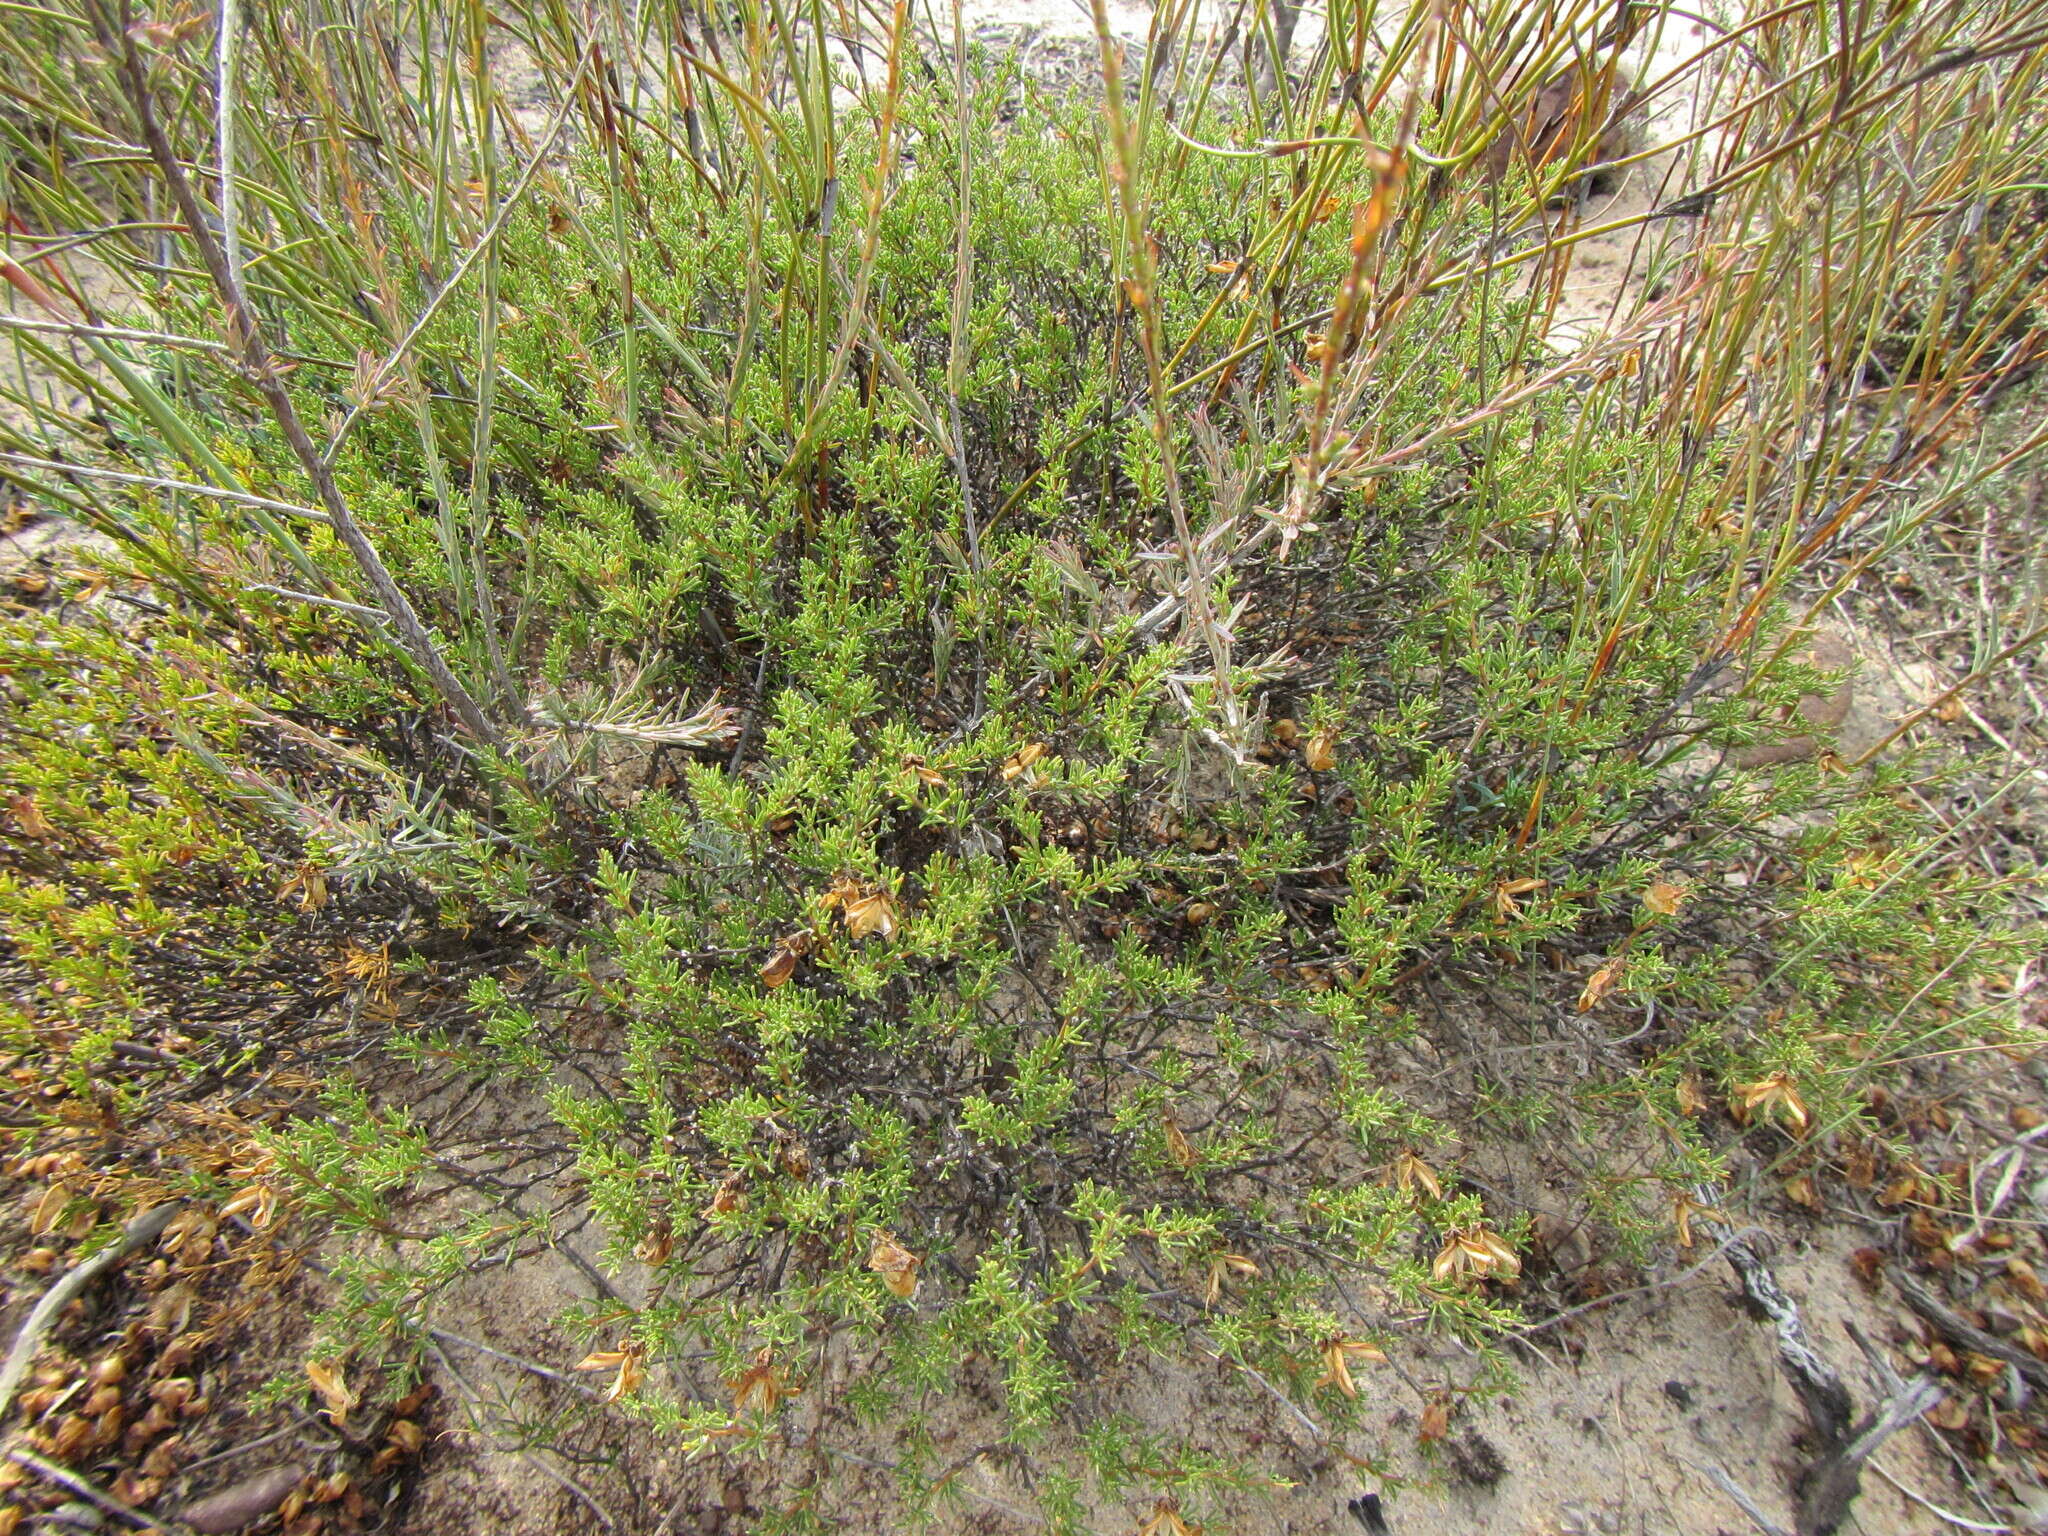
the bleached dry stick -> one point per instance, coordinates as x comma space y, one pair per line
142, 1229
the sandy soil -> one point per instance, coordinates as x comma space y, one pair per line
1618, 1415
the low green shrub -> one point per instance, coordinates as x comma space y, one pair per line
905, 944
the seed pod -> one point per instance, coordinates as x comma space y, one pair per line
74, 1431
896, 1265
406, 1435
162, 1459
1320, 753
134, 1489
174, 1392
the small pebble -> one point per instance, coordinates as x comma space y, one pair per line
1576, 1519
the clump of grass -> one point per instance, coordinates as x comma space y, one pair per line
1045, 717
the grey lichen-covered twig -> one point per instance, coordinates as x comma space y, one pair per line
1843, 1443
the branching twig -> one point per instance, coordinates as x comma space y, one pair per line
1740, 1495
472, 1406
1612, 1297
549, 1373
1961, 1522
1830, 1484
1945, 1318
